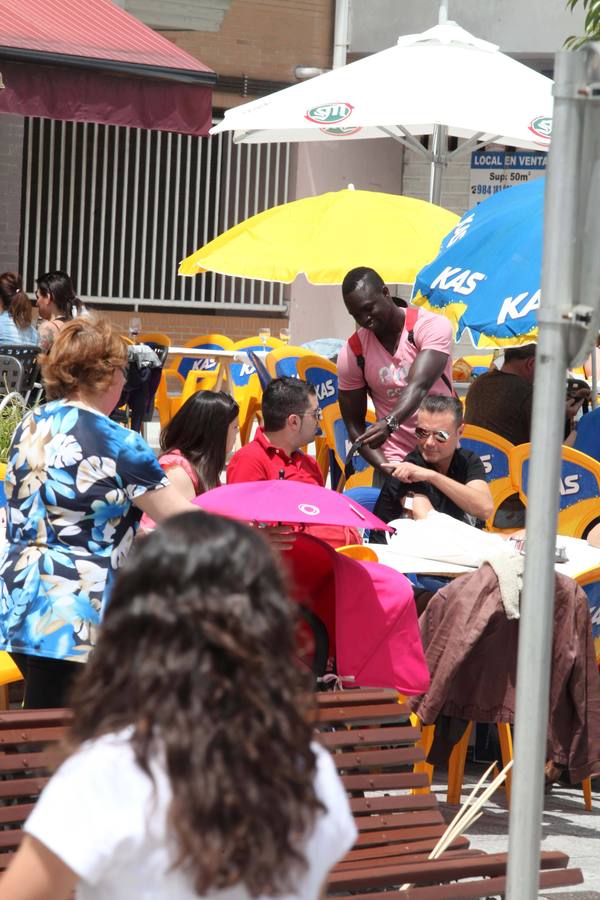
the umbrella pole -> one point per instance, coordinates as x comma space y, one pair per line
439, 151
537, 604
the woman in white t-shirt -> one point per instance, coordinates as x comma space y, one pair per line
192, 770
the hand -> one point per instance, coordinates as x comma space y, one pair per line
376, 434
405, 471
281, 537
573, 404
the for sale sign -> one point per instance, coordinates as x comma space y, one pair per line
495, 170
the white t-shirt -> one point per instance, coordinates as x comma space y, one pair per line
103, 817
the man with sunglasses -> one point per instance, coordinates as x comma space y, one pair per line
439, 473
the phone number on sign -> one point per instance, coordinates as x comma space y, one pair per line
487, 188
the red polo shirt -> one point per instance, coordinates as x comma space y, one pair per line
260, 460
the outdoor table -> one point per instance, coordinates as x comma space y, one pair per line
580, 558
225, 357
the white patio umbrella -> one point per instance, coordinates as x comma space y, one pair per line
443, 82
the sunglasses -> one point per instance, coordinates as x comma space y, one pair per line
422, 434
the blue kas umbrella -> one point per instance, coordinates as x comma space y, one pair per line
486, 277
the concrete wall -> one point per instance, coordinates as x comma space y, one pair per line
370, 165
11, 159
531, 28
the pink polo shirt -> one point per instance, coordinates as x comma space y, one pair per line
386, 374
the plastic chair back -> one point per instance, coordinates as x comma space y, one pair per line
246, 385
323, 374
27, 354
184, 364
11, 375
358, 551
579, 487
241, 372
495, 454
590, 582
284, 361
338, 439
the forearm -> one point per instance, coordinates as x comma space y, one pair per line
470, 499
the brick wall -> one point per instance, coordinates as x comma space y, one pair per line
11, 154
263, 39
181, 327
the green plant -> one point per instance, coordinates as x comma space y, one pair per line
10, 417
592, 23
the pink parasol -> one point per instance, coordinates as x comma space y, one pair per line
287, 502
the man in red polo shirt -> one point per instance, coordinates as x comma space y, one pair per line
291, 417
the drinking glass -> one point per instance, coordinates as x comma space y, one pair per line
264, 335
135, 326
284, 335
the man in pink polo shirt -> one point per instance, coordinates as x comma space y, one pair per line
399, 368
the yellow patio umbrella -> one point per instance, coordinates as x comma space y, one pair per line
326, 236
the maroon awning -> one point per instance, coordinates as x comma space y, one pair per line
90, 61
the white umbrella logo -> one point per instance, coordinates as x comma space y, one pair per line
329, 113
308, 509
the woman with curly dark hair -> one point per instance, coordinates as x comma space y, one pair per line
192, 769
57, 304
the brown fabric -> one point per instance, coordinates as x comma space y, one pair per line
471, 651
501, 402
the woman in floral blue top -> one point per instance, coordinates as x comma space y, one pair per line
76, 486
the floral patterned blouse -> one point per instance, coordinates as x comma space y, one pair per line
71, 477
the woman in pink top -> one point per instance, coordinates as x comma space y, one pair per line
196, 443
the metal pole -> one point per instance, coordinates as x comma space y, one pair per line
537, 604
443, 13
439, 148
340, 32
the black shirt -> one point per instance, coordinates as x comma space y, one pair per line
465, 466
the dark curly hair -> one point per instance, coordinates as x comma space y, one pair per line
196, 655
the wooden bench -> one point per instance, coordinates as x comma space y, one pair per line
374, 747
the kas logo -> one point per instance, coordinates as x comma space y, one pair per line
486, 459
541, 127
329, 113
325, 390
569, 485
308, 509
247, 370
517, 307
461, 229
461, 281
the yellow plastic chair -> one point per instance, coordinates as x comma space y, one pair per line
579, 487
338, 441
495, 453
323, 374
9, 674
590, 582
245, 384
456, 763
284, 361
189, 374
358, 551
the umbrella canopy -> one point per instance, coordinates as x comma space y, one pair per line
486, 277
326, 236
287, 502
444, 81
369, 613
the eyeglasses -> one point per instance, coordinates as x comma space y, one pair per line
317, 414
422, 434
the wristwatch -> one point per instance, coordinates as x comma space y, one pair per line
392, 423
